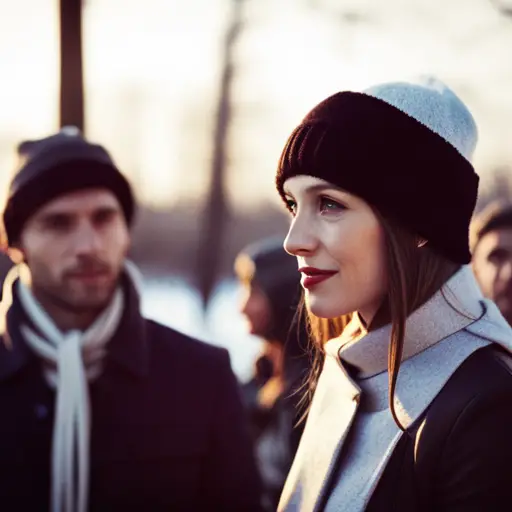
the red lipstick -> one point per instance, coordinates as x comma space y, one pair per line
313, 276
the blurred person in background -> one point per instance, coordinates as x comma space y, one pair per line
101, 408
491, 243
270, 294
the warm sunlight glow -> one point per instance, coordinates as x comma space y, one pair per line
152, 73
29, 83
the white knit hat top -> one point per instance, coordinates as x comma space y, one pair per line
436, 106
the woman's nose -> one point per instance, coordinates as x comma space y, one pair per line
301, 238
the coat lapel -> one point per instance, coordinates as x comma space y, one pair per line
332, 412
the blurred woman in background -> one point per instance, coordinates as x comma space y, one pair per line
270, 294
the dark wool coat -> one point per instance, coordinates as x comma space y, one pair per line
168, 427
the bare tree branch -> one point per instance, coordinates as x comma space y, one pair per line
216, 210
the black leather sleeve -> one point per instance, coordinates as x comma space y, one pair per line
475, 467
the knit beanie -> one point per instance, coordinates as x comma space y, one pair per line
55, 165
266, 262
405, 148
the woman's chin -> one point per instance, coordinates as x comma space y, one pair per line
324, 308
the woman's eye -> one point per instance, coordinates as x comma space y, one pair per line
291, 205
328, 205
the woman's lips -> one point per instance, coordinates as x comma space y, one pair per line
312, 276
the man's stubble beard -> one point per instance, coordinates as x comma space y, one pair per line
64, 297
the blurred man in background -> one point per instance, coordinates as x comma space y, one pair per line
491, 237
270, 294
101, 408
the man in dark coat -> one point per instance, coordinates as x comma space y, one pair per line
101, 409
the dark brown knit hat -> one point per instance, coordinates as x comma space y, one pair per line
56, 165
403, 148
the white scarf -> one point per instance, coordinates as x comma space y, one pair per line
73, 359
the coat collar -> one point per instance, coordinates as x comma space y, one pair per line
456, 306
129, 347
439, 336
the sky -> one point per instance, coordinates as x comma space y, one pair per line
153, 70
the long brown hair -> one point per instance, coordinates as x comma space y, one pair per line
414, 274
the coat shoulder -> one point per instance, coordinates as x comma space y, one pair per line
484, 380
474, 453
457, 455
486, 372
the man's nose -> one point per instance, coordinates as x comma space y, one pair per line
86, 239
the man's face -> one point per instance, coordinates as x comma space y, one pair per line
492, 264
75, 247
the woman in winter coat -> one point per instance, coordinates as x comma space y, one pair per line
271, 292
412, 407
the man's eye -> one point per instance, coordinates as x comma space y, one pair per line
58, 222
498, 256
104, 216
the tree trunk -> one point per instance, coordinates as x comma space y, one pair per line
216, 210
71, 65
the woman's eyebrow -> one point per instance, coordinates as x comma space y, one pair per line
315, 188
